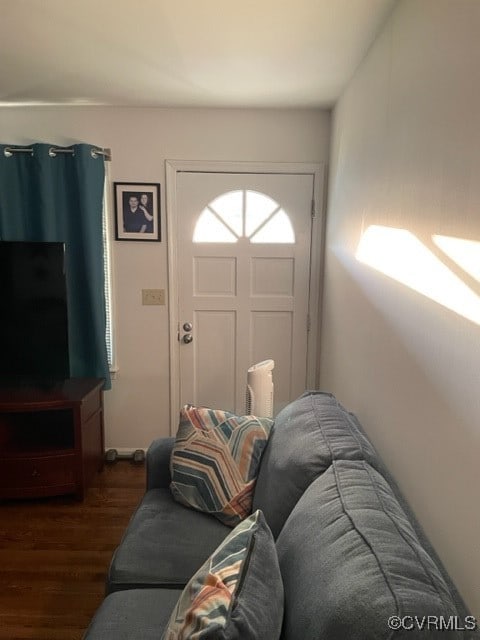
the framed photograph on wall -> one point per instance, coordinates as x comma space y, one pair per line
137, 211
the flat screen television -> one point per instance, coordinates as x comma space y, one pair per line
33, 313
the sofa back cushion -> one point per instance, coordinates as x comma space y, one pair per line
350, 560
308, 434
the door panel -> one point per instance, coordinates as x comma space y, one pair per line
215, 276
215, 358
272, 277
243, 281
271, 332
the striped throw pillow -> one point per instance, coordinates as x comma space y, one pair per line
215, 461
237, 593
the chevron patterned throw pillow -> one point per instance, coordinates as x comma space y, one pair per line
215, 461
237, 594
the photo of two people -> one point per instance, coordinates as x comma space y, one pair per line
137, 211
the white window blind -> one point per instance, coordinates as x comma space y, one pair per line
107, 268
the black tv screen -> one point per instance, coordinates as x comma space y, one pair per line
33, 312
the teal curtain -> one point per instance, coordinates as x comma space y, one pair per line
59, 198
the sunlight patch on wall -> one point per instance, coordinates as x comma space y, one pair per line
400, 255
466, 253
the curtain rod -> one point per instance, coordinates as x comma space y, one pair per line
53, 151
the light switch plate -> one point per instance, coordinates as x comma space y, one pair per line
153, 296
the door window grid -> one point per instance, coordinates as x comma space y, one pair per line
244, 213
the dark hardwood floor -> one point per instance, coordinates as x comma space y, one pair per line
54, 554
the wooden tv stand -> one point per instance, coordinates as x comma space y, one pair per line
51, 438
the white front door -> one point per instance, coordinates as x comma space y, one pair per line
243, 273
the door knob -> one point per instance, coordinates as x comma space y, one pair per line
187, 338
188, 326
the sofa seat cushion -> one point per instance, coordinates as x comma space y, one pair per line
164, 544
133, 615
308, 434
350, 560
215, 460
237, 594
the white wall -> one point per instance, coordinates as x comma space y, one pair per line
406, 154
137, 407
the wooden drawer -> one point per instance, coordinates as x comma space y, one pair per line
29, 473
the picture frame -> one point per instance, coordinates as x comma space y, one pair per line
137, 211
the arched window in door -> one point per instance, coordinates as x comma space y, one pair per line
244, 214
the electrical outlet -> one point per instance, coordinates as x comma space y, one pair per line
153, 296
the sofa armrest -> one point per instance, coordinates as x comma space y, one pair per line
158, 463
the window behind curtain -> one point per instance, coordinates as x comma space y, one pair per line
107, 268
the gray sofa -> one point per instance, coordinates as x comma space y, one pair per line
355, 563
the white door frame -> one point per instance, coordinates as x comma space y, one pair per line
172, 169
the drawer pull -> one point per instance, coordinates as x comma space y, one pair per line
35, 473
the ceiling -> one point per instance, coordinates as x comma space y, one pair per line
183, 53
